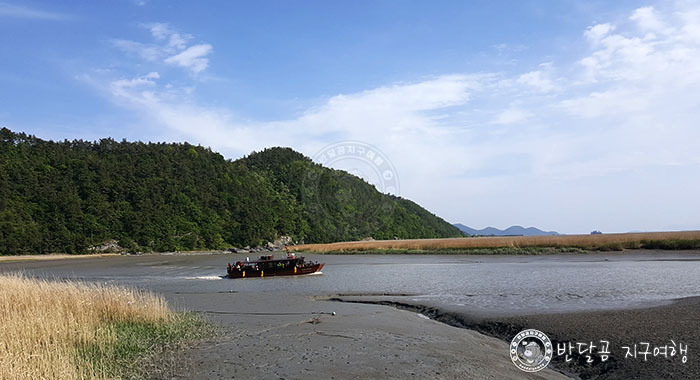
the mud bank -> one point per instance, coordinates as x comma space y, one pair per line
678, 322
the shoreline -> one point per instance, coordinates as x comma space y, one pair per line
657, 325
52, 256
672, 240
475, 251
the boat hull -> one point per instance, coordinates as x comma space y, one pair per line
249, 272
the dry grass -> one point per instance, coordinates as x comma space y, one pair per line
52, 257
42, 323
604, 241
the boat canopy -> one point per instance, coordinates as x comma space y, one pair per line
271, 258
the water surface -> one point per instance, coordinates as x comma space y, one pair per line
480, 284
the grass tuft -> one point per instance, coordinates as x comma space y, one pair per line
135, 344
671, 244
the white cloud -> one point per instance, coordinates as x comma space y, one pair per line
159, 30
144, 51
637, 74
596, 33
162, 31
170, 48
392, 111
121, 87
147, 79
511, 116
192, 58
17, 11
537, 79
647, 20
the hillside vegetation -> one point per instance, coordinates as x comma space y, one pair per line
72, 195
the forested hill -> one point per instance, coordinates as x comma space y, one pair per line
72, 195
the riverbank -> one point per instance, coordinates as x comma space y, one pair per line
8, 258
672, 325
493, 245
678, 240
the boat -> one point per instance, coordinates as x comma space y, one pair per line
267, 265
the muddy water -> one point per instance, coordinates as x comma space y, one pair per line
499, 285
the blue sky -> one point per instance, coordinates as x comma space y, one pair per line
566, 115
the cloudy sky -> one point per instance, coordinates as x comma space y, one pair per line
565, 115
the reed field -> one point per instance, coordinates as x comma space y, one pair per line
517, 244
72, 330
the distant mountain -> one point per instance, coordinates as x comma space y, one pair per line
510, 231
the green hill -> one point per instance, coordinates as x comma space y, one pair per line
69, 196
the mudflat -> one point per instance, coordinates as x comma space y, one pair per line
653, 330
678, 321
274, 336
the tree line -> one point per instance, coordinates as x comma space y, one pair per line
69, 196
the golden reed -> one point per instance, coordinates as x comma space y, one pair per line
577, 241
43, 322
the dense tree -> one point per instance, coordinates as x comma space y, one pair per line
69, 196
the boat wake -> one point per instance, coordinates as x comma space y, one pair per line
211, 277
